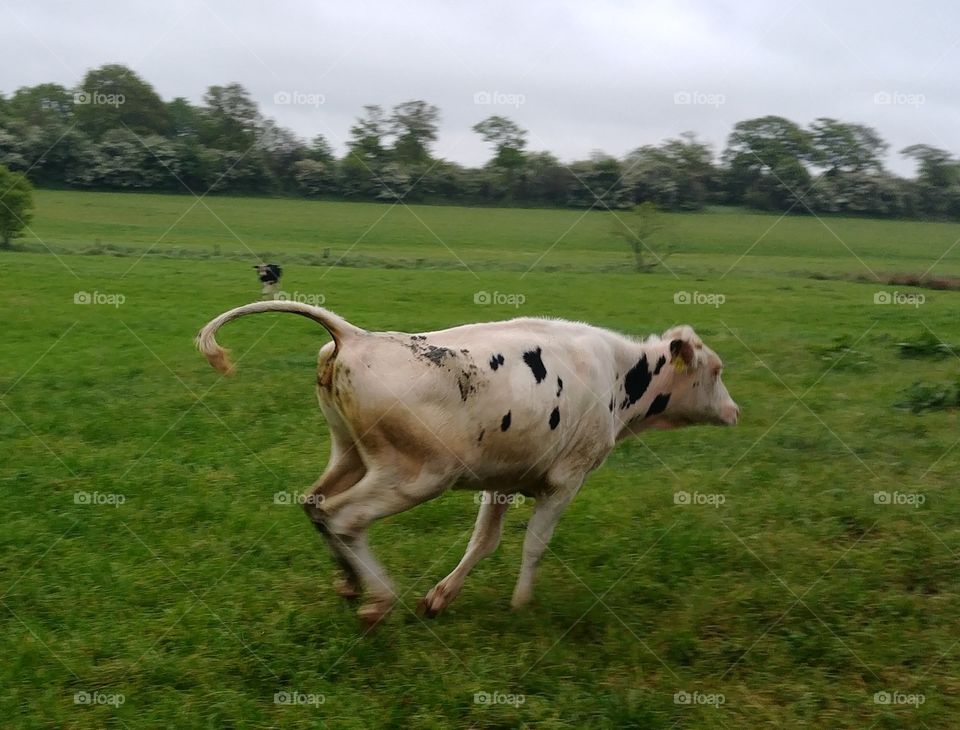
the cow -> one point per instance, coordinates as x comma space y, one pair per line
269, 275
526, 406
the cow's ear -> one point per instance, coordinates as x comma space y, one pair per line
682, 354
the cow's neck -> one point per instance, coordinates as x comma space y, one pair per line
644, 378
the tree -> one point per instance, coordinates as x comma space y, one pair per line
113, 96
414, 127
320, 150
16, 204
765, 162
366, 136
938, 180
360, 170
313, 178
597, 182
638, 228
677, 175
186, 120
44, 105
231, 118
507, 138
840, 147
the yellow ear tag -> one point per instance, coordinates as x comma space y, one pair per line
679, 365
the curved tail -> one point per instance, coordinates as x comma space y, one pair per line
339, 328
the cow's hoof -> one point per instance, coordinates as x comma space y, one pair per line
520, 600
346, 589
432, 604
371, 614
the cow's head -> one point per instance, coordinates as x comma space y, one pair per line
697, 392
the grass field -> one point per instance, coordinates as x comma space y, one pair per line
182, 587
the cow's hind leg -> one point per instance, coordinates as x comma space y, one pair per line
381, 492
344, 471
486, 537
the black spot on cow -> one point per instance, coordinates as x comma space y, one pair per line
610, 407
464, 352
555, 418
659, 405
496, 361
480, 437
660, 363
505, 423
535, 363
418, 337
559, 386
636, 382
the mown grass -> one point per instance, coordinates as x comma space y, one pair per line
711, 243
797, 599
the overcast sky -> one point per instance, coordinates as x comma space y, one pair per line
579, 76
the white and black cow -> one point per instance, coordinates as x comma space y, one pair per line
525, 406
269, 275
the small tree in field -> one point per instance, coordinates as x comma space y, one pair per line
16, 202
638, 227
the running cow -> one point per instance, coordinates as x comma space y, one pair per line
527, 406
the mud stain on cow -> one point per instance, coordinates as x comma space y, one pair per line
505, 423
555, 418
636, 382
659, 405
559, 386
431, 353
496, 361
535, 363
660, 363
610, 407
469, 381
480, 437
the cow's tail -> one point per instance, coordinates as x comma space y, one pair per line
339, 328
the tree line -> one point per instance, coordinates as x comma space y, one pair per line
114, 132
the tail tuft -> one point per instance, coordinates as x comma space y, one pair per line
217, 356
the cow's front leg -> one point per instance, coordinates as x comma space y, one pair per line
486, 537
381, 492
544, 519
